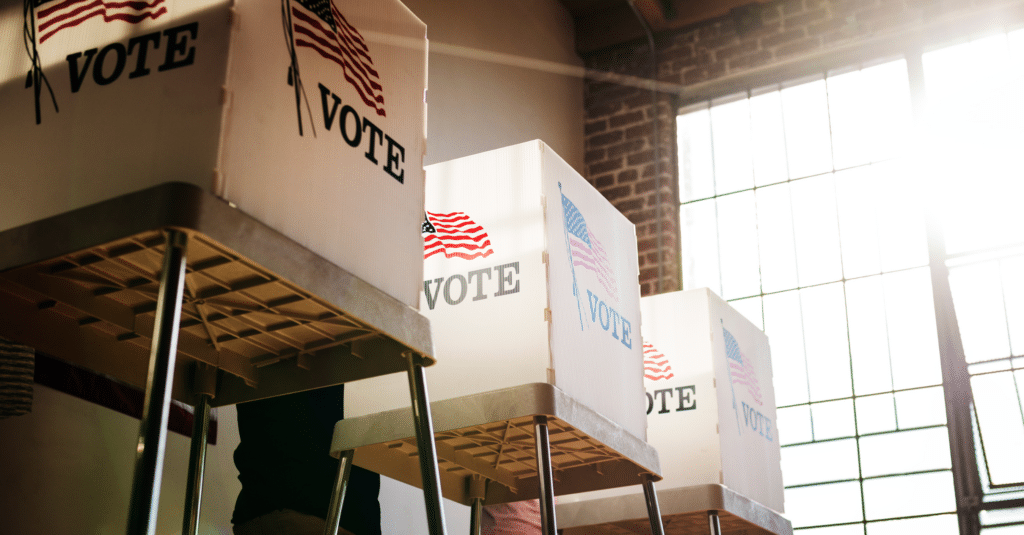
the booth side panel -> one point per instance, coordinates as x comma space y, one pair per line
751, 455
110, 106
324, 135
594, 296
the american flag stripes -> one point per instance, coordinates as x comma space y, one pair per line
53, 16
656, 366
587, 251
319, 26
740, 369
454, 234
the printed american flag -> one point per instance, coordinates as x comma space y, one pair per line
656, 366
740, 369
53, 16
587, 252
454, 234
319, 26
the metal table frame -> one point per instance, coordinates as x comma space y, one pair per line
712, 509
485, 456
93, 285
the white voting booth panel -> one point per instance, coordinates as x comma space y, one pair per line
530, 276
308, 116
710, 399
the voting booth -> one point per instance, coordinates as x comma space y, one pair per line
308, 116
710, 400
530, 276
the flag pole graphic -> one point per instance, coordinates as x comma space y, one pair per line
568, 248
294, 79
732, 387
36, 77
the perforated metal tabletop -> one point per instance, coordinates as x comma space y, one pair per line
684, 511
491, 434
272, 316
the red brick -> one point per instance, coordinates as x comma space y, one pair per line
629, 175
826, 26
594, 127
676, 53
627, 147
792, 6
800, 47
648, 274
749, 61
604, 181
640, 130
594, 156
738, 49
604, 167
804, 19
644, 187
623, 119
625, 207
641, 157
607, 138
782, 38
617, 192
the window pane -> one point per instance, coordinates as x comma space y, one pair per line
805, 115
700, 246
816, 226
977, 296
751, 309
918, 408
907, 451
904, 241
696, 168
833, 419
794, 424
730, 127
776, 238
1002, 426
931, 525
857, 196
919, 494
824, 504
1012, 271
737, 234
876, 413
789, 370
869, 339
823, 461
913, 342
850, 119
769, 139
887, 106
828, 353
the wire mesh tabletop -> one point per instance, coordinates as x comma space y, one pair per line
684, 512
270, 314
491, 436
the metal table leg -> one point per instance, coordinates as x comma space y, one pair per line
714, 526
153, 428
544, 475
196, 465
425, 445
338, 494
653, 510
476, 516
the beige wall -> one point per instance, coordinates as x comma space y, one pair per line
501, 73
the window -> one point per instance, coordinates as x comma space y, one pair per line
804, 205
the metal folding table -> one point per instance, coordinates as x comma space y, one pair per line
695, 510
176, 291
526, 442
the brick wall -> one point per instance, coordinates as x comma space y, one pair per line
620, 137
